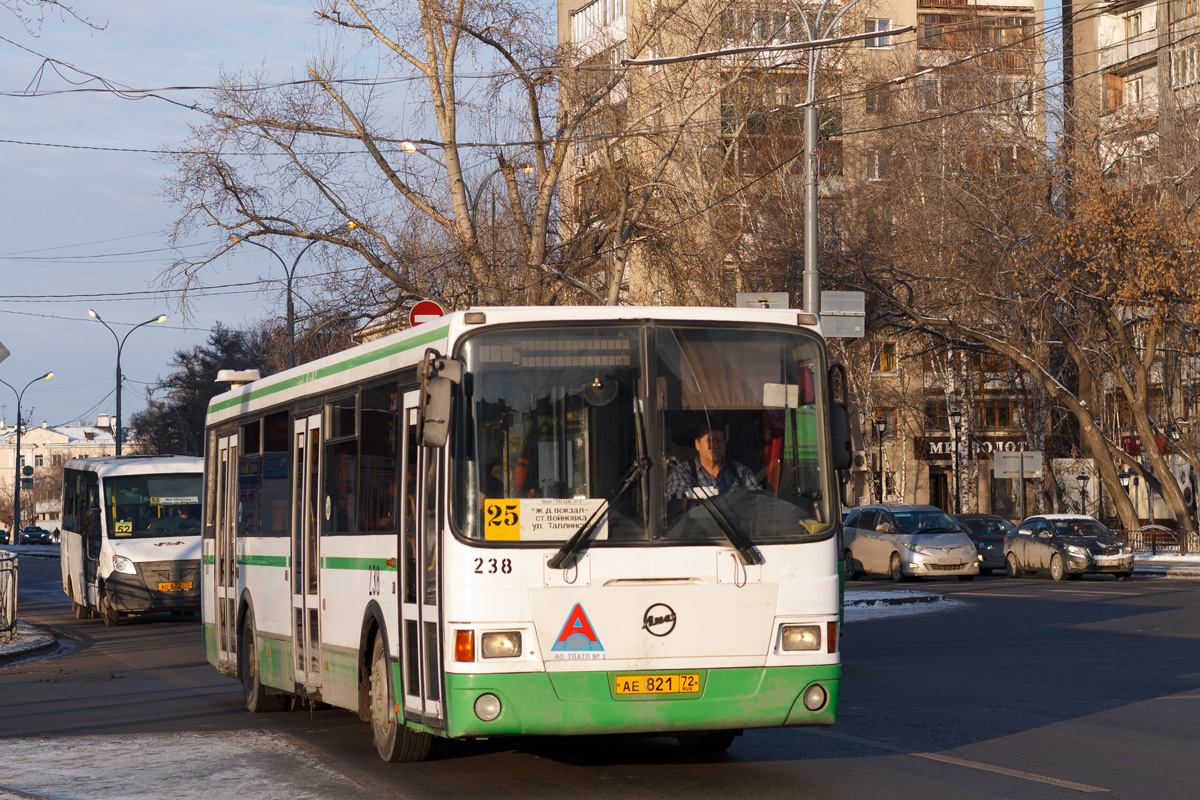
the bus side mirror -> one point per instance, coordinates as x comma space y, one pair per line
839, 430
438, 376
839, 421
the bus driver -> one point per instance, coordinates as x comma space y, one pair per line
709, 473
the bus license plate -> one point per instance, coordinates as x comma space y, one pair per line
175, 586
686, 683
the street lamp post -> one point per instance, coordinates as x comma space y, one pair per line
290, 272
1083, 492
880, 430
955, 419
814, 29
16, 528
121, 346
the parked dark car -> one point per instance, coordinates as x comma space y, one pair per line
3, 536
32, 534
1066, 546
988, 532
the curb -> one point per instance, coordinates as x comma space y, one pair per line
39, 642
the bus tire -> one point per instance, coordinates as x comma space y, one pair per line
259, 700
393, 741
709, 743
108, 611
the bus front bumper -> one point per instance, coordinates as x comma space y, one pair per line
157, 586
564, 703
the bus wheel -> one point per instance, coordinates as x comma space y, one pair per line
109, 611
258, 701
709, 743
395, 742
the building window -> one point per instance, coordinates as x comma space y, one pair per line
1182, 9
879, 102
892, 417
995, 414
874, 25
930, 31
877, 166
935, 415
1184, 66
883, 358
39, 460
929, 95
1113, 92
1133, 26
1133, 92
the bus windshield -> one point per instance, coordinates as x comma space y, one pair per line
654, 433
140, 506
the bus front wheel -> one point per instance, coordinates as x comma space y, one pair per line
258, 700
109, 611
395, 742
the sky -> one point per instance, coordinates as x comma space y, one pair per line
80, 226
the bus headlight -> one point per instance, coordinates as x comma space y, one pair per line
815, 697
501, 644
487, 707
801, 637
123, 564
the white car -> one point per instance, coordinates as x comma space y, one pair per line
903, 541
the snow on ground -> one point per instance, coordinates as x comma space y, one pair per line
234, 766
864, 605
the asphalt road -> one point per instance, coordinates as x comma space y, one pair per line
1028, 689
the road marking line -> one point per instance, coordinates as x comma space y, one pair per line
961, 762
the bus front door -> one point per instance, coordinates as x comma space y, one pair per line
306, 616
420, 589
225, 553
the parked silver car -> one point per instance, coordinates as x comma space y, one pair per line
1066, 546
903, 540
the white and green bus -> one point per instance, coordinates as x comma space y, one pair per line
496, 524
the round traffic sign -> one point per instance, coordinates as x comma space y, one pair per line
425, 311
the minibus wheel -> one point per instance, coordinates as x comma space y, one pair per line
109, 611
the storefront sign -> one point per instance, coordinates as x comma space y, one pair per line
942, 449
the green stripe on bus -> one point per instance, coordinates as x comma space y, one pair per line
264, 561
332, 369
338, 562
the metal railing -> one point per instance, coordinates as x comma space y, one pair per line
8, 595
1155, 539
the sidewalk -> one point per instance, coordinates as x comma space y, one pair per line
29, 641
1167, 566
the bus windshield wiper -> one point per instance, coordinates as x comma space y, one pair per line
740, 541
565, 557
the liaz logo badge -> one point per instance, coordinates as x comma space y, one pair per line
659, 620
577, 640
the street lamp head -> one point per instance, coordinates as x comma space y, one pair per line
411, 147
955, 417
92, 313
1123, 477
880, 425
161, 318
233, 237
1083, 478
46, 377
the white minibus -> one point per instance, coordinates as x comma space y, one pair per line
130, 539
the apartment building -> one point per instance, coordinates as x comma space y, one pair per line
45, 450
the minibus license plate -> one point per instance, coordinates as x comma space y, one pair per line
686, 683
175, 586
